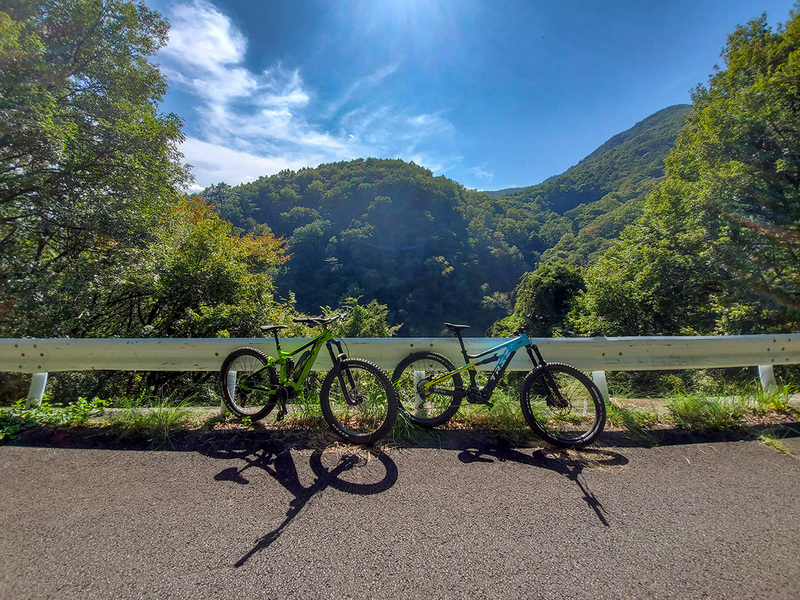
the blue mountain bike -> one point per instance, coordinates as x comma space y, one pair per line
561, 404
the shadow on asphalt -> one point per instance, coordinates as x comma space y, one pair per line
331, 469
569, 463
366, 471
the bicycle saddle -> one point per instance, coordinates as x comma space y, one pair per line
267, 329
454, 328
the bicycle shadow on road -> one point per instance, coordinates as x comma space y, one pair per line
569, 463
351, 470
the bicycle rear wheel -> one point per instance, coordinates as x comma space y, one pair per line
248, 383
358, 401
570, 415
421, 407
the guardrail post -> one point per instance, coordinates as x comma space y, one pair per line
419, 402
36, 393
767, 377
599, 378
231, 384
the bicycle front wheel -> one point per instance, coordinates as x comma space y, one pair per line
358, 401
562, 405
427, 408
248, 383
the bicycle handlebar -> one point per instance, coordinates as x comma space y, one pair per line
318, 321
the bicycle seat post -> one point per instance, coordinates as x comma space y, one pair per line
463, 348
273, 329
277, 341
457, 330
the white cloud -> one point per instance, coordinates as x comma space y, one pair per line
252, 124
215, 163
482, 174
203, 37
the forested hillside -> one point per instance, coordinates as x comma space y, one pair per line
384, 229
688, 223
431, 249
590, 203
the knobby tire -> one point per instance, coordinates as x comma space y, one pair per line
573, 423
376, 409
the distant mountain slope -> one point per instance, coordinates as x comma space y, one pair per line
431, 249
589, 204
382, 229
505, 192
622, 164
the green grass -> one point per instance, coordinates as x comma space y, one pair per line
775, 401
503, 418
773, 442
18, 417
158, 421
635, 420
699, 412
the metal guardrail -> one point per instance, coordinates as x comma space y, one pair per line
598, 355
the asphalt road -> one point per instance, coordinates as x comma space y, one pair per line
453, 517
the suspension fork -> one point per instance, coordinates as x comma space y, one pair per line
347, 382
553, 391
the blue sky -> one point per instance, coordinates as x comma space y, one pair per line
492, 93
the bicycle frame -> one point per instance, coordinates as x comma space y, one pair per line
291, 380
509, 349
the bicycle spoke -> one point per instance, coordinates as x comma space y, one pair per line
247, 383
359, 402
434, 405
563, 405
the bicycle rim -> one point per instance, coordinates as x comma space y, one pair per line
574, 416
423, 408
365, 407
246, 381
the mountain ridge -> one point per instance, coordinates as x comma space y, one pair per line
431, 249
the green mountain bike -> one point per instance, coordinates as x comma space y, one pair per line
357, 398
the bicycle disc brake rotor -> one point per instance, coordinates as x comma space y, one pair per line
354, 397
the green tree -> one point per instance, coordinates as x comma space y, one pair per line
738, 161
717, 249
544, 298
363, 321
198, 278
655, 281
87, 162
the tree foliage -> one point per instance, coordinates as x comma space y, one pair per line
368, 321
740, 160
544, 298
717, 249
87, 162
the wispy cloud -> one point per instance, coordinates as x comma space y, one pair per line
256, 124
482, 175
220, 163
